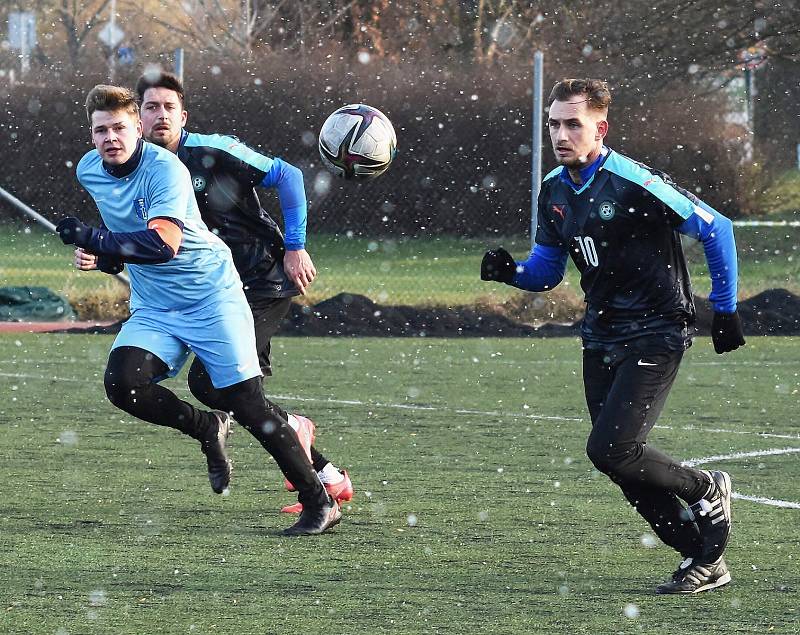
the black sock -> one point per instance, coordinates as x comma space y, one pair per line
317, 460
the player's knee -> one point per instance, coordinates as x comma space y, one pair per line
200, 386
608, 457
596, 451
119, 389
129, 373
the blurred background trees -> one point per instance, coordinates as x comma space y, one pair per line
707, 91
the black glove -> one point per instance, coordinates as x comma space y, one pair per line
73, 232
109, 264
726, 332
497, 264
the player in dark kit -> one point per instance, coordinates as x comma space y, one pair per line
621, 221
225, 173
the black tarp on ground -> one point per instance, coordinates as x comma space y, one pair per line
773, 312
33, 304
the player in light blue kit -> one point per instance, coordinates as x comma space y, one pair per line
185, 297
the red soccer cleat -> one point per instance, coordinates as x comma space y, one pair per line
340, 492
306, 433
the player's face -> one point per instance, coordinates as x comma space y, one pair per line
576, 131
115, 135
163, 117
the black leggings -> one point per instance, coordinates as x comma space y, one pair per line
625, 394
131, 384
267, 315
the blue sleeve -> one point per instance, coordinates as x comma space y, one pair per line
543, 270
142, 248
715, 231
289, 182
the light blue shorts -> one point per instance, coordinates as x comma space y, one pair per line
220, 334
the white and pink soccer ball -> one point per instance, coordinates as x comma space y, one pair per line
357, 142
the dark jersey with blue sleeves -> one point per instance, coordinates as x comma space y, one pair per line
621, 229
225, 173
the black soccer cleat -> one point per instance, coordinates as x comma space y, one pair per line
713, 517
213, 445
694, 577
316, 520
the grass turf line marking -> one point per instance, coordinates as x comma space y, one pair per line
763, 435
690, 462
372, 404
743, 455
766, 501
342, 402
738, 455
685, 363
511, 415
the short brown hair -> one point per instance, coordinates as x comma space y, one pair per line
595, 90
111, 99
159, 79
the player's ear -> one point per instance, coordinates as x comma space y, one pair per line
184, 117
602, 129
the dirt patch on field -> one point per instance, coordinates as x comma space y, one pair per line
773, 312
347, 314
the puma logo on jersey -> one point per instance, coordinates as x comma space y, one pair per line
560, 210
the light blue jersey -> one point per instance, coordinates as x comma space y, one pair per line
192, 303
202, 270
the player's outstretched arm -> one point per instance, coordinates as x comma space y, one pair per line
149, 246
497, 264
543, 270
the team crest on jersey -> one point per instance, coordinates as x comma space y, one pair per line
606, 210
198, 183
140, 208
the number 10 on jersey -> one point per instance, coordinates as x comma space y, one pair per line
586, 243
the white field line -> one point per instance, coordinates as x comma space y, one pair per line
739, 455
575, 361
766, 501
572, 361
763, 500
342, 402
766, 223
444, 410
413, 407
763, 435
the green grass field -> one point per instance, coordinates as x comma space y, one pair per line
441, 271
476, 510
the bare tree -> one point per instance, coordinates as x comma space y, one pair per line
78, 19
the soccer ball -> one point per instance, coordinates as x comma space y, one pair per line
357, 142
